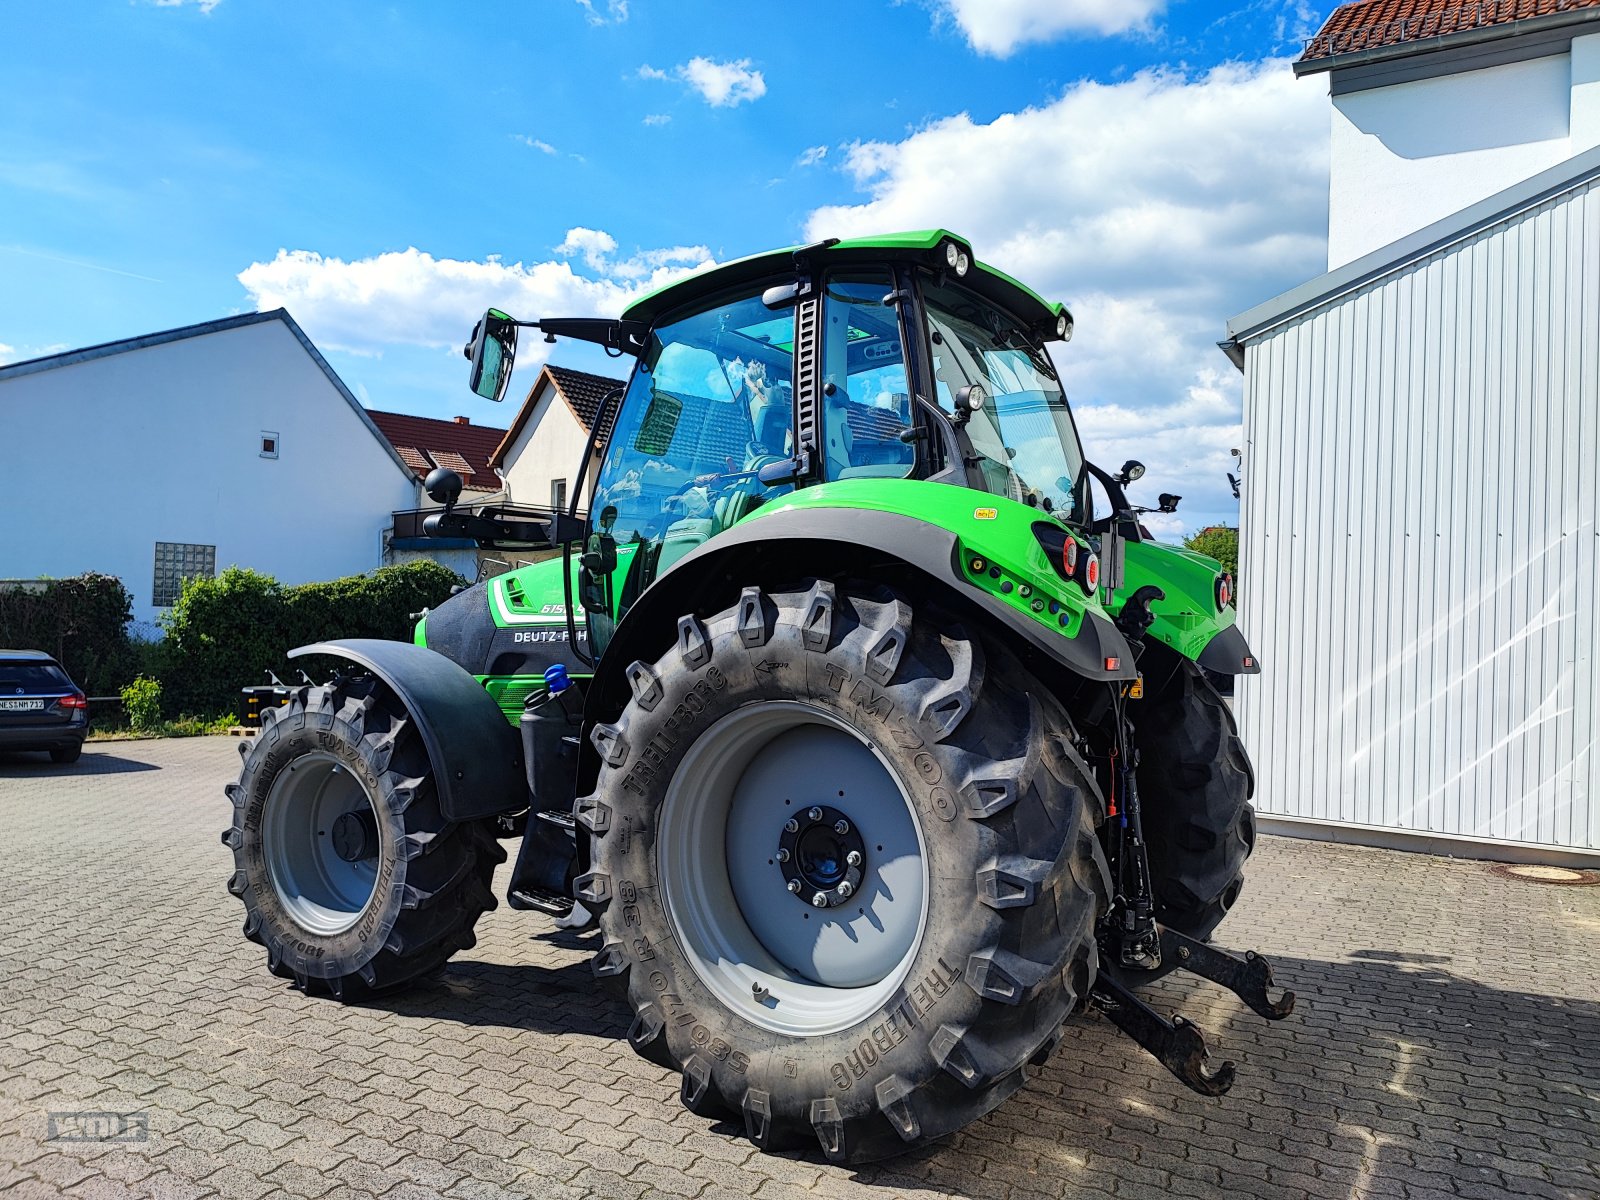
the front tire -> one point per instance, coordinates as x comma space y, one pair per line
771, 743
350, 876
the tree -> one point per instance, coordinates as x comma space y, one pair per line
1221, 543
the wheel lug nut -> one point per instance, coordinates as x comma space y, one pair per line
845, 890
820, 900
841, 827
792, 825
815, 814
853, 858
783, 855
794, 886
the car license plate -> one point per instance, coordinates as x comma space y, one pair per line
21, 705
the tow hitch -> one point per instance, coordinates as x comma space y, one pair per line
1177, 1044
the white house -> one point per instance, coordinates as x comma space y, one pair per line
1420, 554
539, 456
1437, 104
180, 453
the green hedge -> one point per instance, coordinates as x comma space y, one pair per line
224, 633
82, 621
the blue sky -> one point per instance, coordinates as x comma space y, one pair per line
386, 171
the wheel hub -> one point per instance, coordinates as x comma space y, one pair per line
821, 856
355, 836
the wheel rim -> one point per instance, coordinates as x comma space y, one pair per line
319, 833
757, 805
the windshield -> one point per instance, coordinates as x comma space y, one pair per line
1023, 435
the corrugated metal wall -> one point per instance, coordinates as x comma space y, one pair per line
1419, 557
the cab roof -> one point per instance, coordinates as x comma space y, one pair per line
922, 245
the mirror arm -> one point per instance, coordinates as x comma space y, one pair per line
620, 337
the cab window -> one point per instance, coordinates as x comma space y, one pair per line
709, 405
866, 398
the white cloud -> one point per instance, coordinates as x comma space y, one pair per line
1158, 207
11, 354
657, 118
205, 6
534, 143
720, 84
812, 156
410, 298
594, 245
998, 27
616, 12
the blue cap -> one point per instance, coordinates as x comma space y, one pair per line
555, 678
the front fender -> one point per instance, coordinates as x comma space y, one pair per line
1188, 619
476, 756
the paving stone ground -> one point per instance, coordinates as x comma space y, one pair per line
1447, 1041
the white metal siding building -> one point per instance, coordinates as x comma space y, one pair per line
1419, 552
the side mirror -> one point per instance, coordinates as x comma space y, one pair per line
443, 486
1168, 503
492, 351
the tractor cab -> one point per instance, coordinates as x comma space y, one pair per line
898, 358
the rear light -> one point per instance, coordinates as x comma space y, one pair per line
1060, 548
76, 700
1091, 571
1224, 591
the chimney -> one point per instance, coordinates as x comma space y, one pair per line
463, 421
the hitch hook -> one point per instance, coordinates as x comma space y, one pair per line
1247, 978
1177, 1044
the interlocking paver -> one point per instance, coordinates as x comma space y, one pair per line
1444, 1046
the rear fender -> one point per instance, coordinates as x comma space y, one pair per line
476, 756
787, 544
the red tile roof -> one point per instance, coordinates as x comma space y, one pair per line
424, 443
1375, 24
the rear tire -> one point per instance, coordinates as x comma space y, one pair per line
66, 754
912, 1007
350, 876
1195, 784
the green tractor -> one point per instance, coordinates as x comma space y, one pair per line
873, 751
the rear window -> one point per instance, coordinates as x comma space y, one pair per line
41, 677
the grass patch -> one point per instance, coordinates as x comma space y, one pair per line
120, 731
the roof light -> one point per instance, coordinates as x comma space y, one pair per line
1063, 328
962, 263
952, 254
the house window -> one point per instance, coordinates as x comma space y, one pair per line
269, 444
177, 561
558, 495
